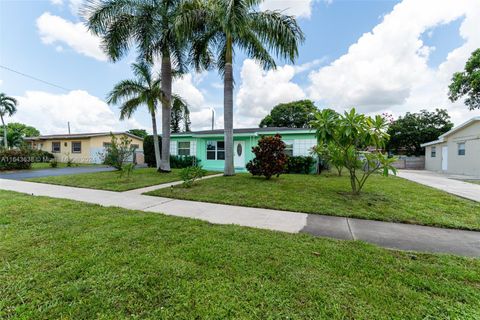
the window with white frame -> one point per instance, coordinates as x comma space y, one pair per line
76, 147
289, 148
461, 149
55, 147
184, 148
433, 152
215, 150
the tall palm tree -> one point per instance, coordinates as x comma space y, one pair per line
8, 106
144, 90
149, 26
180, 113
224, 25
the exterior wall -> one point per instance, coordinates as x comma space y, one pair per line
97, 147
434, 163
302, 143
469, 164
92, 148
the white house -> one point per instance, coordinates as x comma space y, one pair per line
456, 151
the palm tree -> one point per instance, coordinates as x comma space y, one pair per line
150, 26
223, 25
8, 106
144, 90
180, 113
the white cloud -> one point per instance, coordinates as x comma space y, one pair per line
261, 90
185, 87
298, 8
54, 29
56, 2
86, 113
388, 67
1, 82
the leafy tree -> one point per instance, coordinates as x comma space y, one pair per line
407, 133
352, 134
180, 113
142, 133
144, 90
151, 27
16, 132
270, 158
330, 154
118, 152
223, 27
8, 106
467, 83
297, 114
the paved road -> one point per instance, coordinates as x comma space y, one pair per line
385, 234
443, 182
27, 174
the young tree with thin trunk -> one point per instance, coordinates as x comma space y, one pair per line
145, 90
8, 106
220, 27
150, 26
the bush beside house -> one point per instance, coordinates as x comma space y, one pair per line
270, 158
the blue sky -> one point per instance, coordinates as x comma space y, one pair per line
378, 56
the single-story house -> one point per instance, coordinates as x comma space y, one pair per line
82, 147
456, 151
209, 147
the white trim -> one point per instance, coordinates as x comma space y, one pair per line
431, 143
453, 130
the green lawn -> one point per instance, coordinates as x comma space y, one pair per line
473, 181
46, 165
111, 180
72, 260
387, 199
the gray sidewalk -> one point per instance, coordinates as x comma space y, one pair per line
385, 234
442, 182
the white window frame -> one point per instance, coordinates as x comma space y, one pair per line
460, 149
183, 149
217, 149
433, 152
289, 146
75, 142
59, 147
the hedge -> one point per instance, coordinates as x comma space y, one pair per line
149, 150
300, 164
16, 159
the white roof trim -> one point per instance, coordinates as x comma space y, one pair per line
453, 130
463, 125
431, 143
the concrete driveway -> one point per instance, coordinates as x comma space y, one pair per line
443, 182
27, 174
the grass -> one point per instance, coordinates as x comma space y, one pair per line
111, 180
46, 165
383, 198
71, 260
473, 181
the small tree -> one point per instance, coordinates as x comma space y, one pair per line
118, 152
270, 158
331, 155
354, 134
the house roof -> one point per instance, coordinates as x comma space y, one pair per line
246, 131
441, 139
79, 136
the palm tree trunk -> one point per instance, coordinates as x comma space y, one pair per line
166, 111
228, 110
155, 140
5, 142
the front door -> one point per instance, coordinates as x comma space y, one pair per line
444, 158
239, 154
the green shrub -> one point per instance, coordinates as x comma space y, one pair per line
53, 163
127, 170
190, 174
16, 159
149, 150
41, 156
270, 158
300, 164
180, 162
118, 152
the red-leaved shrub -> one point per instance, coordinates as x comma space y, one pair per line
270, 158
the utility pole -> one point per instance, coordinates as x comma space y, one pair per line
213, 119
68, 124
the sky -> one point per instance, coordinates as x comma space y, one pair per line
375, 55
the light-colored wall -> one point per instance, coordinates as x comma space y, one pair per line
469, 164
91, 148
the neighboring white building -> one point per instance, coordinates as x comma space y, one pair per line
457, 151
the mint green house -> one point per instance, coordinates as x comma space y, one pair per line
208, 146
